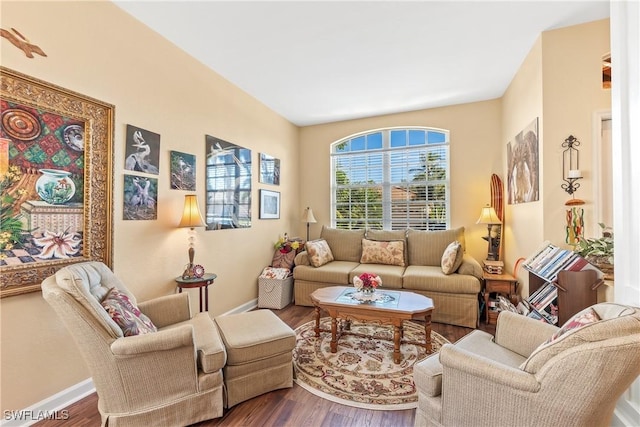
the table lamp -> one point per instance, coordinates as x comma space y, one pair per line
307, 216
191, 217
488, 216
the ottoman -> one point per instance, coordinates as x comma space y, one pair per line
259, 354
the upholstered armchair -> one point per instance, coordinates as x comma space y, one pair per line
170, 376
532, 373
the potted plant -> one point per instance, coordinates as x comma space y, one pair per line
598, 251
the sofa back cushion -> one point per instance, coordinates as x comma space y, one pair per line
616, 321
345, 245
427, 247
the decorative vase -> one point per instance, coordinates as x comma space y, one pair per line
55, 186
368, 291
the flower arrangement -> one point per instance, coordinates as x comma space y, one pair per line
367, 282
285, 245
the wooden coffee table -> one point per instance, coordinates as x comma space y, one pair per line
395, 308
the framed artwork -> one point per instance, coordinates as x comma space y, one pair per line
269, 169
56, 178
183, 171
228, 185
269, 204
140, 198
142, 152
522, 166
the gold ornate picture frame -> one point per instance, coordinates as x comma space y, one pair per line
56, 170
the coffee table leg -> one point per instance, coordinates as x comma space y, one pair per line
334, 330
317, 328
427, 331
396, 344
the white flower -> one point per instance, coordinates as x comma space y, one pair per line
60, 245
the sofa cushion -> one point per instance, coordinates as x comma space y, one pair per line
452, 257
346, 245
130, 319
335, 273
581, 319
383, 252
430, 278
387, 235
617, 321
427, 247
319, 252
391, 275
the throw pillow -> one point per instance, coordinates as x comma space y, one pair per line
581, 319
382, 252
130, 319
318, 252
283, 259
452, 257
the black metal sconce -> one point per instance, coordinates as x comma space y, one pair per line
571, 165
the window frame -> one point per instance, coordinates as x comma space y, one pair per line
387, 184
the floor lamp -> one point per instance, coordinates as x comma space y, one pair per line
307, 216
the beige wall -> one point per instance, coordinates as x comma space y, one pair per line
103, 53
96, 49
561, 83
475, 155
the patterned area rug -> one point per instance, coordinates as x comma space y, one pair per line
362, 372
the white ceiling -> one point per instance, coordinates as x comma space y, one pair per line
323, 61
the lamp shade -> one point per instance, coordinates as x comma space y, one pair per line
307, 216
191, 217
488, 216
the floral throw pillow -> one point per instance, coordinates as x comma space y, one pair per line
578, 321
130, 319
319, 252
382, 252
452, 257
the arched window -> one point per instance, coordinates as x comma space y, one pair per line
391, 179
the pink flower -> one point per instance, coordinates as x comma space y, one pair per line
60, 245
367, 281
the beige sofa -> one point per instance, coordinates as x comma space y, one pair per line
455, 295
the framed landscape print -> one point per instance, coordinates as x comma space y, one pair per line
183, 171
228, 185
269, 204
269, 169
56, 173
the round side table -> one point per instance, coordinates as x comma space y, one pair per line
202, 283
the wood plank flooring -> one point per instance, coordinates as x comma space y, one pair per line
288, 407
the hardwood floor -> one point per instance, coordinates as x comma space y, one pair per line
287, 407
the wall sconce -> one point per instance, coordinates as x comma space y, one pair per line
489, 216
191, 217
571, 165
307, 216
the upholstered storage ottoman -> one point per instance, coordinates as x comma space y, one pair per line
259, 354
275, 293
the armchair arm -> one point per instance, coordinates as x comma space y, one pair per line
470, 266
301, 259
167, 310
521, 334
455, 358
168, 339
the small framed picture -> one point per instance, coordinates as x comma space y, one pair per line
269, 169
269, 204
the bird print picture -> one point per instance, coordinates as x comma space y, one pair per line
142, 153
140, 198
183, 171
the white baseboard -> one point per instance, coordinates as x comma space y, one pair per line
50, 408
250, 305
